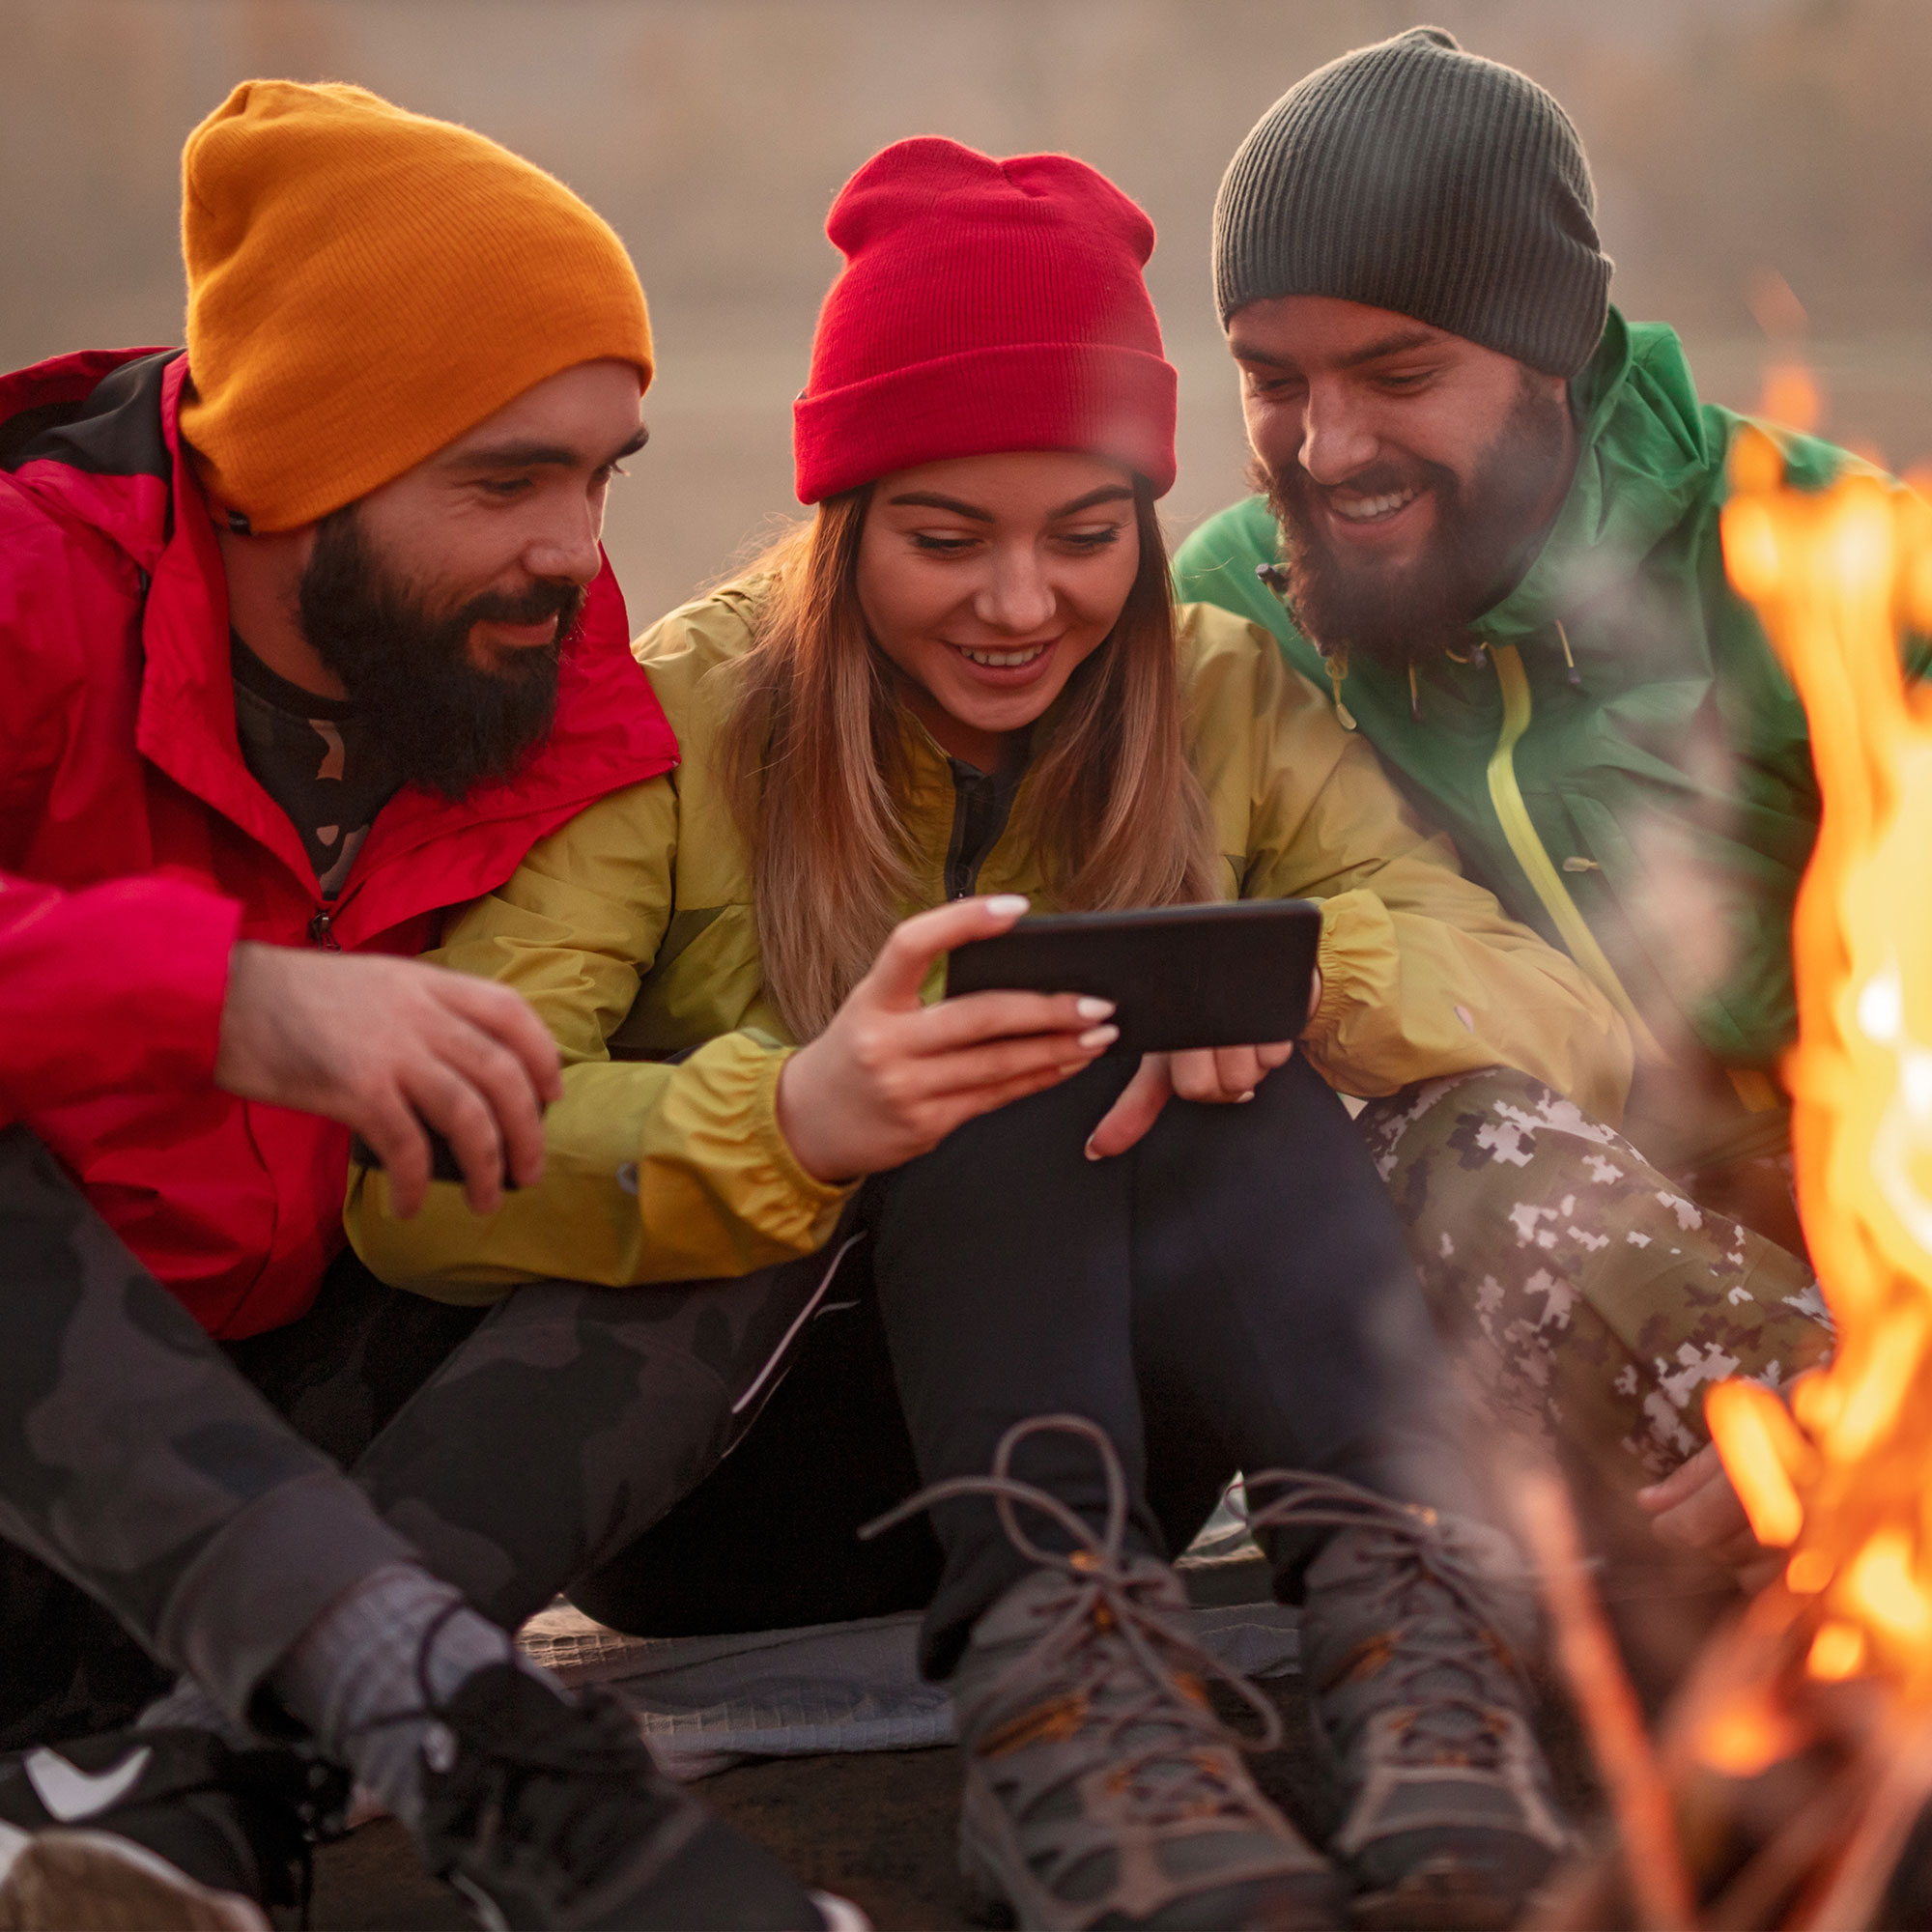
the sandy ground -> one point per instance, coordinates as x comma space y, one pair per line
877, 1827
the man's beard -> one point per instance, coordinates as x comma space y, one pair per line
445, 724
1474, 557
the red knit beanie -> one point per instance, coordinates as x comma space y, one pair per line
984, 305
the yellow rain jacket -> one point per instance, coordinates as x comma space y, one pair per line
632, 926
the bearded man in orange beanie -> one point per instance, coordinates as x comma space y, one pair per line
306, 636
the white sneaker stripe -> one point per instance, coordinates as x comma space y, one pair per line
70, 1793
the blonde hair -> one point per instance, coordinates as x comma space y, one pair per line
814, 758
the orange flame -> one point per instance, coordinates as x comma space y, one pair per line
1835, 576
1761, 1449
1837, 1651
1746, 1735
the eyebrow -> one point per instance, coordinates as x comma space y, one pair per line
1392, 344
931, 499
1107, 493
530, 455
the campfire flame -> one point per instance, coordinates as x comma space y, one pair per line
1791, 1785
1847, 1484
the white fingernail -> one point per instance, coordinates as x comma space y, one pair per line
1249, 1095
1003, 903
1100, 1036
1091, 1152
1090, 1009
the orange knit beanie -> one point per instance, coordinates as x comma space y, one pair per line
364, 284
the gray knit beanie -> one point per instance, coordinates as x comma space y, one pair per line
1412, 176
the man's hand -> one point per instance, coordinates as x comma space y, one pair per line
383, 1045
1219, 1074
1696, 1508
890, 1077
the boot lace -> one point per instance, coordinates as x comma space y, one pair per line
1420, 1560
1163, 1747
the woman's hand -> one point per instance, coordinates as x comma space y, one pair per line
1215, 1073
890, 1078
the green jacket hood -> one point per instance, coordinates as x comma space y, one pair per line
1650, 456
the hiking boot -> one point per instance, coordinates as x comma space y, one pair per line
1100, 1789
167, 1831
552, 1813
1423, 1708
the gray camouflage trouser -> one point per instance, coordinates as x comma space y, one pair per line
1587, 1296
138, 1462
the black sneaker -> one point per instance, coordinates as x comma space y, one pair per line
1425, 1712
552, 1813
165, 1830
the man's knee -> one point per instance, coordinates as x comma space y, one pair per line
1489, 1155
1588, 1284
609, 1404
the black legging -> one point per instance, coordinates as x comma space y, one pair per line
1234, 1293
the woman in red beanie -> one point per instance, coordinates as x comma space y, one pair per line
965, 676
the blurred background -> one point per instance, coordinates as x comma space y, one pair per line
1746, 152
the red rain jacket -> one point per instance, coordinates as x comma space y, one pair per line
118, 759
117, 987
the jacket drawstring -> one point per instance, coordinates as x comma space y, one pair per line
1336, 663
1575, 676
1414, 695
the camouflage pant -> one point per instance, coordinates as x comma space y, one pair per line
140, 1463
1589, 1299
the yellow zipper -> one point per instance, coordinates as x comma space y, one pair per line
1519, 829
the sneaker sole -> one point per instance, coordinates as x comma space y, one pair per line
92, 1882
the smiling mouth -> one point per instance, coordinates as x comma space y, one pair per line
1372, 509
1003, 660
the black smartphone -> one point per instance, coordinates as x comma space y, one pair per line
442, 1162
1236, 973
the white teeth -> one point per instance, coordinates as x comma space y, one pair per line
1365, 509
1004, 660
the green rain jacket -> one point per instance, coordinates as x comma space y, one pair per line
1624, 764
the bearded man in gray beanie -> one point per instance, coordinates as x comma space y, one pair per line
1487, 521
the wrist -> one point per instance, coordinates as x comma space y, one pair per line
231, 1044
786, 1109
798, 1109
